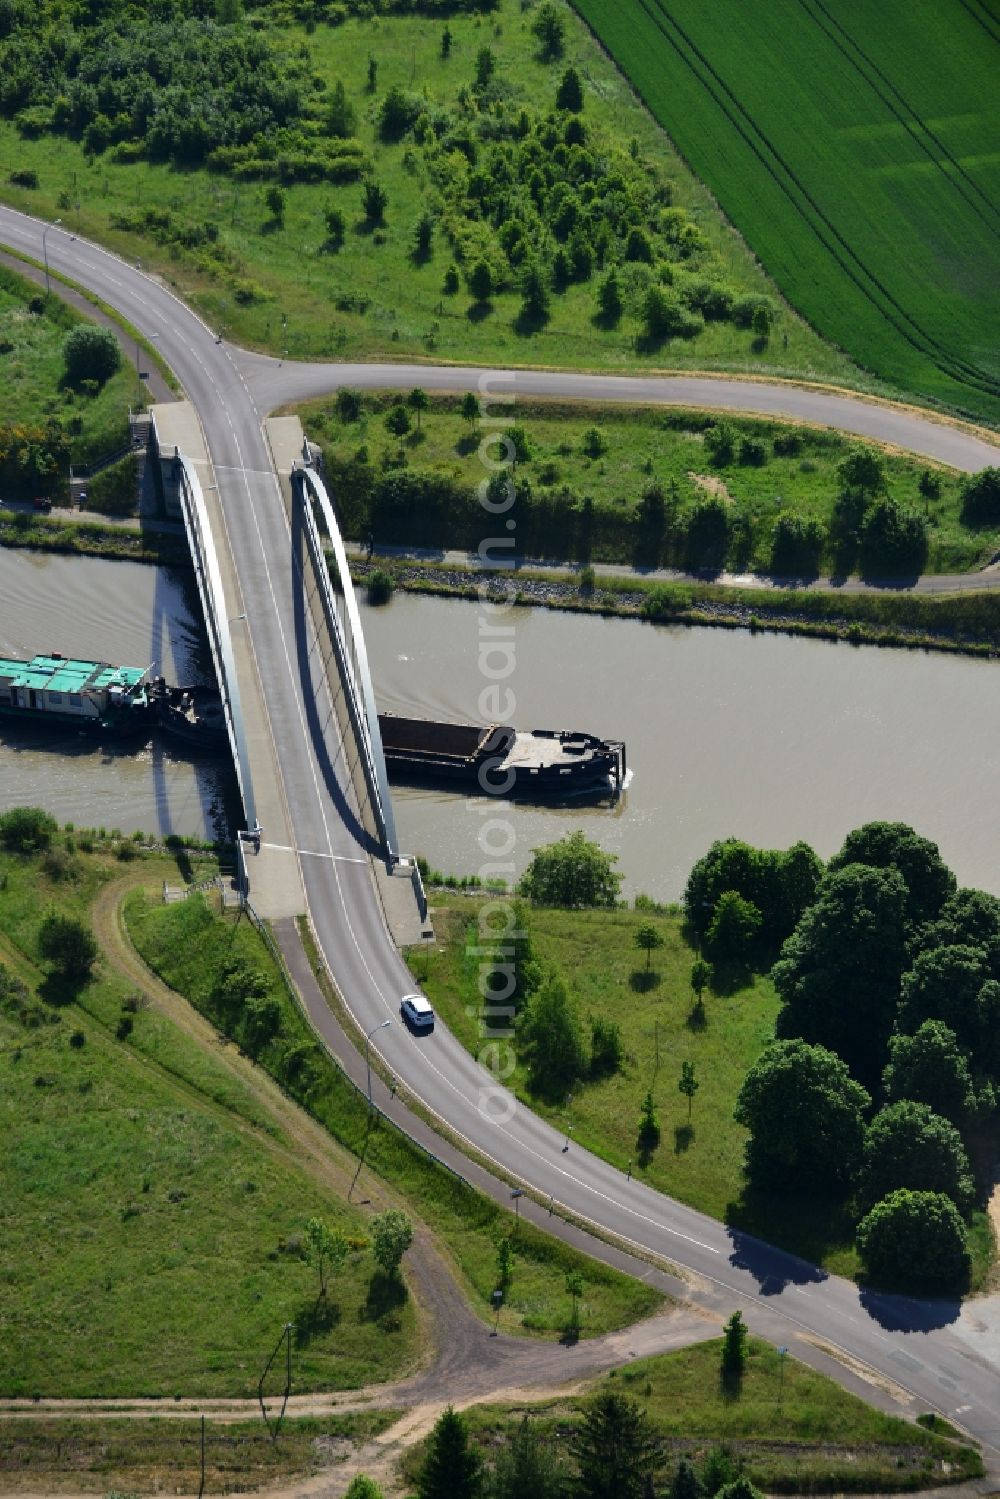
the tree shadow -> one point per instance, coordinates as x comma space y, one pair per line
683, 1138
910, 1313
605, 321
386, 1295
526, 324
478, 311
697, 1019
315, 1320
729, 976
645, 1148
805, 1228
642, 980
60, 989
466, 445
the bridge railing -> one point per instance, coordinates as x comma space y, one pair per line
340, 606
213, 603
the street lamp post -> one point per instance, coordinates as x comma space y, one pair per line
782, 1353
45, 251
517, 1194
368, 1056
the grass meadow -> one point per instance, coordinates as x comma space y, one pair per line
699, 1159
31, 374
856, 149
645, 446
371, 300
150, 1232
785, 1427
185, 943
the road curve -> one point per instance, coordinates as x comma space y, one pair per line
947, 1358
276, 382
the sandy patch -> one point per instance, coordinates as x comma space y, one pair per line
711, 485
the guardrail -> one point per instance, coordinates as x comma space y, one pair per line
344, 621
213, 603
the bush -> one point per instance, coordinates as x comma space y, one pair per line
893, 539
26, 830
69, 945
981, 498
381, 586
572, 873
91, 353
797, 545
915, 1239
115, 490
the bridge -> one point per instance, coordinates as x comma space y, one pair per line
326, 853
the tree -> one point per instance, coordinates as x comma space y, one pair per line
326, 1250
649, 1123
527, 1466
451, 281
372, 72
569, 94
648, 939
838, 974
572, 872
893, 845
505, 1264
486, 64
341, 117
481, 285
664, 315
981, 498
534, 297
274, 197
392, 1235
446, 41
915, 1240
609, 298
760, 322
797, 545
549, 28
893, 539
948, 983
701, 976
733, 930
780, 884
451, 1469
68, 944
930, 1067
908, 1145
398, 114
398, 420
739, 1488
375, 200
805, 1114
90, 353
684, 1484
336, 227
862, 470
423, 237
418, 402
470, 408
688, 1084
549, 1028
26, 830
615, 1449
707, 533
734, 1347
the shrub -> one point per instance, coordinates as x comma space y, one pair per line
90, 353
23, 177
752, 452
981, 498
68, 945
26, 830
115, 490
893, 539
796, 545
595, 444
381, 586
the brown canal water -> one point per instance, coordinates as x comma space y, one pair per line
770, 738
128, 614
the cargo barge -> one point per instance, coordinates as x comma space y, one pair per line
542, 764
108, 702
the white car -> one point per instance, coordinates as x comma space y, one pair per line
417, 1013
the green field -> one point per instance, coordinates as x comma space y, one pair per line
152, 1211
787, 1429
279, 284
185, 943
698, 1160
31, 373
584, 500
856, 149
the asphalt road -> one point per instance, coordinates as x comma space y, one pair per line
947, 1358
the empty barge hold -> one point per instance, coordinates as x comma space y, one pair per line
542, 765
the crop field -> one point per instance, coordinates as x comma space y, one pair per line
856, 149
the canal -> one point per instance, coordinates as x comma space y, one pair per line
771, 738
